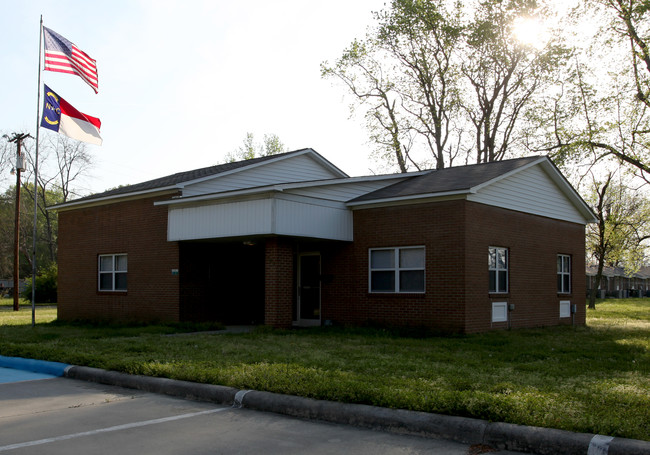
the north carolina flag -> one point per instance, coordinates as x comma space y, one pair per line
60, 116
62, 56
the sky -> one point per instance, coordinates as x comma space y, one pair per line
182, 82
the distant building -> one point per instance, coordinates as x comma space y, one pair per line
619, 284
7, 286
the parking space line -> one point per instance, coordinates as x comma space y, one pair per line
110, 429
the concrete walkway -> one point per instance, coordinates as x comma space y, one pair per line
502, 436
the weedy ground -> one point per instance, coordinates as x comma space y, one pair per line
592, 379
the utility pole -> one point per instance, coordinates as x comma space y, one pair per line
20, 166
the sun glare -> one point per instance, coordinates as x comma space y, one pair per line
530, 31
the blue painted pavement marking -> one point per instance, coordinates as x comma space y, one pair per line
37, 366
13, 375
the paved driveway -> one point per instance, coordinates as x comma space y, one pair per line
63, 416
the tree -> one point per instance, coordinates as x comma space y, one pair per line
7, 157
623, 226
405, 75
504, 74
72, 161
47, 230
448, 78
604, 111
62, 162
7, 201
250, 149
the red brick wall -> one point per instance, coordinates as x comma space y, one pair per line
533, 244
439, 227
279, 282
456, 235
136, 228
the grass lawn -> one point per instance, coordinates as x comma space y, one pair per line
589, 379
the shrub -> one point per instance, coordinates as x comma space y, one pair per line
46, 285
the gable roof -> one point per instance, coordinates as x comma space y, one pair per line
608, 271
180, 179
468, 181
459, 179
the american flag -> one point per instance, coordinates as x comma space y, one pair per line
64, 57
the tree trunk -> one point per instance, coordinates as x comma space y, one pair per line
594, 289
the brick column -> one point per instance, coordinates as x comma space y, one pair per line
278, 283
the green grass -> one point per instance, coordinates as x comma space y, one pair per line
589, 379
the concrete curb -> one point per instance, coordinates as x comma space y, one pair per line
460, 429
35, 366
172, 387
504, 436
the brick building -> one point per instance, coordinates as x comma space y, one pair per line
291, 240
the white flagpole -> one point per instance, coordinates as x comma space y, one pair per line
38, 106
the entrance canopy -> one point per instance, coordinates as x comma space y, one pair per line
269, 213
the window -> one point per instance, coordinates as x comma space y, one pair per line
112, 272
397, 269
563, 273
498, 269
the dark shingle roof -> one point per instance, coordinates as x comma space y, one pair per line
180, 177
643, 272
452, 179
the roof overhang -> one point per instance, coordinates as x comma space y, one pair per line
170, 190
417, 199
277, 188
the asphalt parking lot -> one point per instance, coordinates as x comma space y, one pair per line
62, 416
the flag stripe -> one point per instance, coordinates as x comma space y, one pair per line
64, 56
80, 130
54, 64
71, 111
58, 61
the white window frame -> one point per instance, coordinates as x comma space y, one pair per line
561, 273
112, 272
498, 270
396, 269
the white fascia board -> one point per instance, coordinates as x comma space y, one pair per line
285, 186
249, 195
343, 181
224, 195
310, 200
113, 198
414, 199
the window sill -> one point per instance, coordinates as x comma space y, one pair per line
397, 294
113, 293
